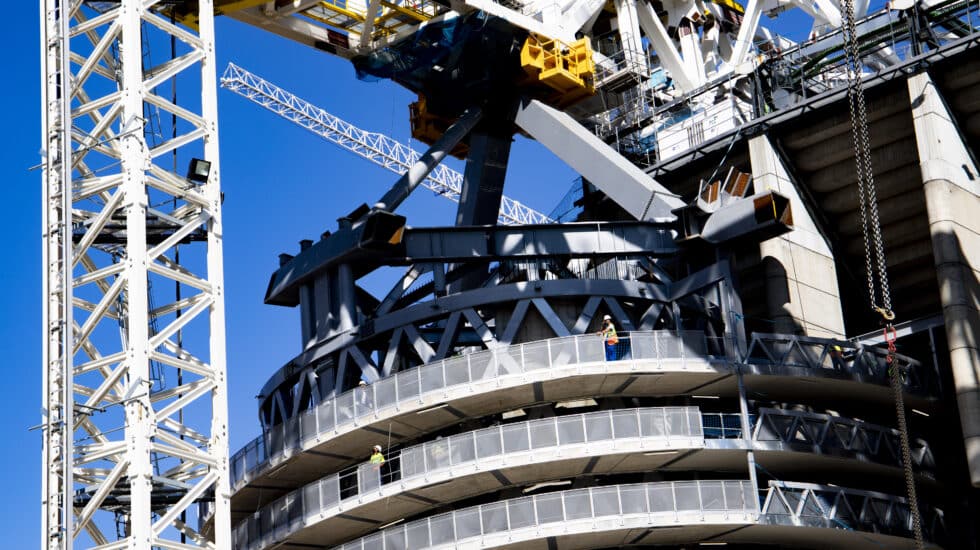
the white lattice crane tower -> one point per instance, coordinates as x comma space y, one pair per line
135, 417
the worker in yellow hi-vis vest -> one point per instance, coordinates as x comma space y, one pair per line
608, 334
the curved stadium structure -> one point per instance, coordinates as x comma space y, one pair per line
724, 221
747, 403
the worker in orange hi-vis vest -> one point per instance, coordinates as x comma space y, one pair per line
608, 333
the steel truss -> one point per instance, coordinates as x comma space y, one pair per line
377, 148
135, 398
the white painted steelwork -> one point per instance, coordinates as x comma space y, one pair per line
135, 399
377, 148
602, 433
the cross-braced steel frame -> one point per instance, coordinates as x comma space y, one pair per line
135, 398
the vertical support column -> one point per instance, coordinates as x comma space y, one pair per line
347, 313
483, 179
217, 447
483, 187
140, 425
801, 288
950, 179
690, 42
307, 315
629, 34
743, 407
322, 306
57, 421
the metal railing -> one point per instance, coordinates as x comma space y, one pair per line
645, 504
810, 505
827, 432
528, 442
407, 390
724, 425
864, 362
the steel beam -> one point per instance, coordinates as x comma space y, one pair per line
622, 181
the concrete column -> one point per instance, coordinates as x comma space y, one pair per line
802, 296
950, 183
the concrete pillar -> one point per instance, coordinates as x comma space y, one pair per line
950, 183
802, 296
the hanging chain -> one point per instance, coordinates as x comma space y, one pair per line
896, 376
874, 249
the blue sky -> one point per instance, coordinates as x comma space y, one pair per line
281, 184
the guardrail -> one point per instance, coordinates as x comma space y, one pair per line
406, 389
866, 362
534, 441
810, 505
879, 443
640, 505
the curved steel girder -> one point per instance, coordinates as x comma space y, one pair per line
443, 307
461, 244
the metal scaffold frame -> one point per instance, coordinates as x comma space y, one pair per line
135, 395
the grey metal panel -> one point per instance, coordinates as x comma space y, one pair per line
422, 245
586, 239
632, 189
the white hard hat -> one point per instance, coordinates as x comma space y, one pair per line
606, 318
377, 448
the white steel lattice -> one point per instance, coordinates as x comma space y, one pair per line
135, 398
378, 148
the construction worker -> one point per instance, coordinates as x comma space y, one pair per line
608, 333
377, 458
837, 356
363, 397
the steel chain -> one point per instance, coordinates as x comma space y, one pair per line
871, 231
853, 97
895, 376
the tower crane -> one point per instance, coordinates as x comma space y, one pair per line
375, 147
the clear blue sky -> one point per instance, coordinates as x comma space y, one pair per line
281, 185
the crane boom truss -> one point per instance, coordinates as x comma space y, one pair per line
135, 397
377, 148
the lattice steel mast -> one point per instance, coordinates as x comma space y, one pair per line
121, 449
378, 148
